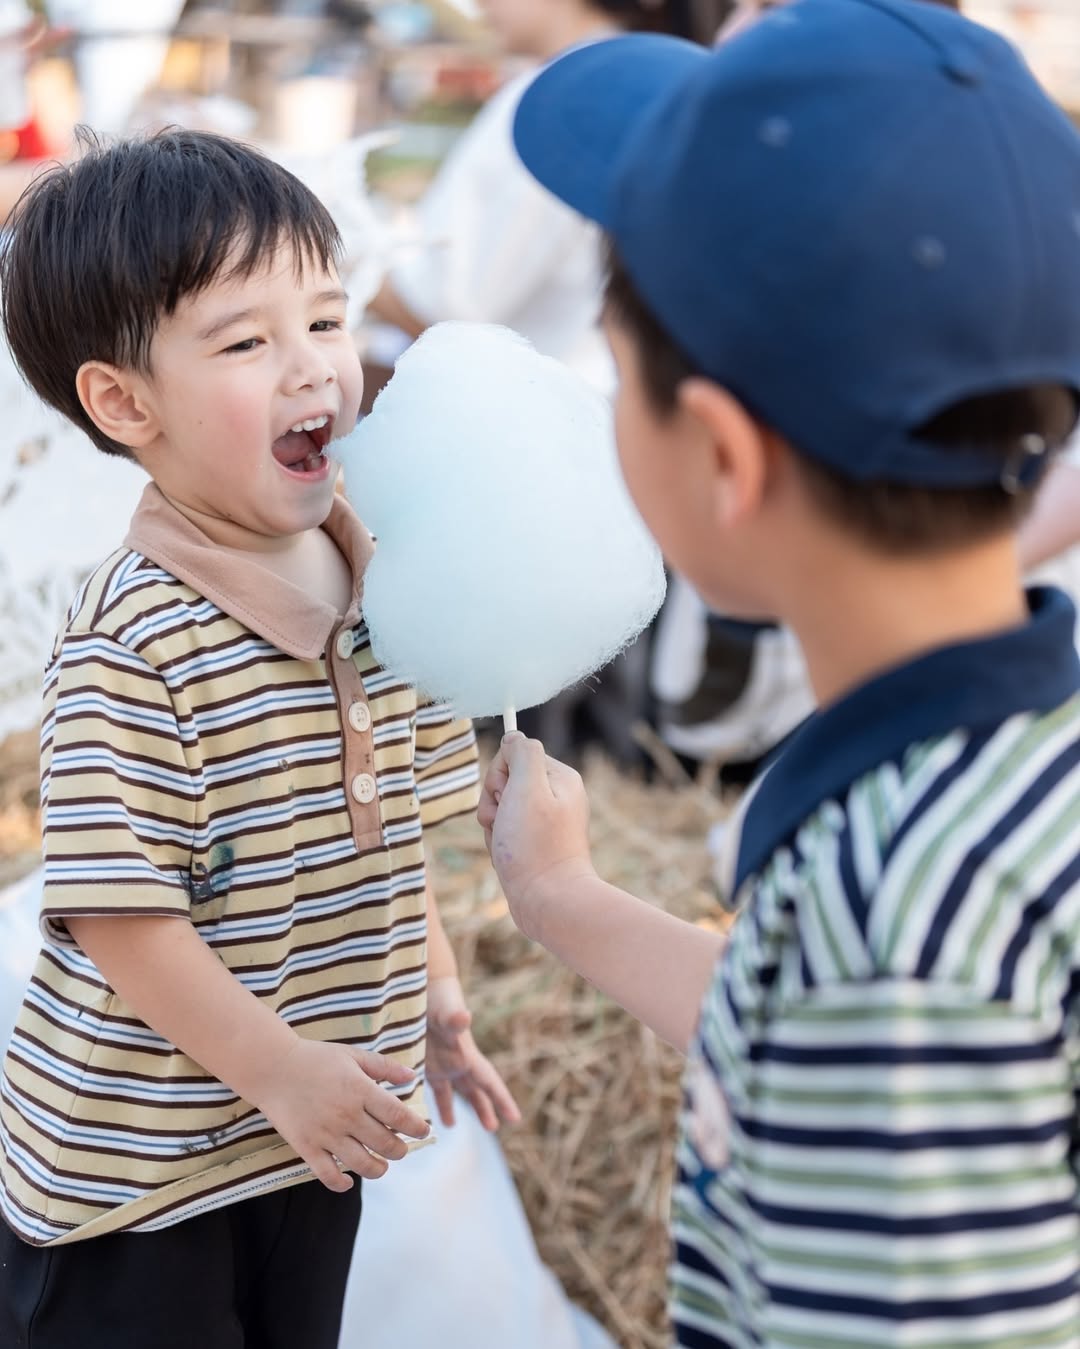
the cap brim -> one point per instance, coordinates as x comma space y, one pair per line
577, 115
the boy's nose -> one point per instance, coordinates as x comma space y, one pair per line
310, 370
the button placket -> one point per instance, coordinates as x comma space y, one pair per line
358, 757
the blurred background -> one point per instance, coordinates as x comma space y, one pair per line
397, 112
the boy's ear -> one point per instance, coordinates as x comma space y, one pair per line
742, 450
116, 402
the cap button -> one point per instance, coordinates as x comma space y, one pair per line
962, 65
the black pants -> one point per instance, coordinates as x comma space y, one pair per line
265, 1273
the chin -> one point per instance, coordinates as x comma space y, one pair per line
732, 602
311, 515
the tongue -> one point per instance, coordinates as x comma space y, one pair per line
291, 449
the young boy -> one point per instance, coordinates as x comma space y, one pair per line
844, 308
238, 936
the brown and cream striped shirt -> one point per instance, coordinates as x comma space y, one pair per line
218, 746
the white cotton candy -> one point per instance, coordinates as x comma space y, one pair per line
510, 560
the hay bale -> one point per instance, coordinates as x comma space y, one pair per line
20, 841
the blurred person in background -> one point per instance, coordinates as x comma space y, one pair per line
21, 143
17, 30
496, 247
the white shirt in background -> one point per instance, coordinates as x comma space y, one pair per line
498, 248
14, 109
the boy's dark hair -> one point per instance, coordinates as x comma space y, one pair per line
105, 247
892, 517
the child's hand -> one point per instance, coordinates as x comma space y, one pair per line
535, 817
323, 1100
454, 1063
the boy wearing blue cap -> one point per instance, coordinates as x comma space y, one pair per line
843, 302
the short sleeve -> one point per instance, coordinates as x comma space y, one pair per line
445, 765
119, 798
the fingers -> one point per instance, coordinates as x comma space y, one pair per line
382, 1069
326, 1170
452, 1025
496, 777
493, 1104
495, 780
444, 1101
517, 754
490, 1097
483, 1088
565, 781
505, 1105
398, 1118
485, 1111
525, 757
355, 1157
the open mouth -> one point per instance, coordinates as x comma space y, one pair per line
301, 449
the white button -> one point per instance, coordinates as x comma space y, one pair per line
363, 788
359, 717
345, 643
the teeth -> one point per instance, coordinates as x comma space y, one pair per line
312, 425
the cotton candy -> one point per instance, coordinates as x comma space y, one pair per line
510, 560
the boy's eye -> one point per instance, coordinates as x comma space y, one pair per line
325, 325
248, 344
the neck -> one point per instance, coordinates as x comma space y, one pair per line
860, 615
571, 26
239, 538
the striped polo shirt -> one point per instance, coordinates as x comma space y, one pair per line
880, 1141
216, 746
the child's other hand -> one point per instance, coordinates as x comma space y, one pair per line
454, 1063
535, 817
324, 1101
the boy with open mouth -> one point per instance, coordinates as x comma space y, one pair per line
239, 942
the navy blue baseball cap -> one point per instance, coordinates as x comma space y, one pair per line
852, 216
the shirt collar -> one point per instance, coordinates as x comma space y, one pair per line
278, 611
972, 685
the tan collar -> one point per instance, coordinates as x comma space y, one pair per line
275, 609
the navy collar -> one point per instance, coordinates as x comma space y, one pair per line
1032, 668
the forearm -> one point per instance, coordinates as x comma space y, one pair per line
442, 963
390, 307
656, 966
174, 982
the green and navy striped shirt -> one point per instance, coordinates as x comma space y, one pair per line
880, 1143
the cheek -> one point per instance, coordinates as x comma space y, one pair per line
235, 435
642, 460
351, 379
239, 411
628, 444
